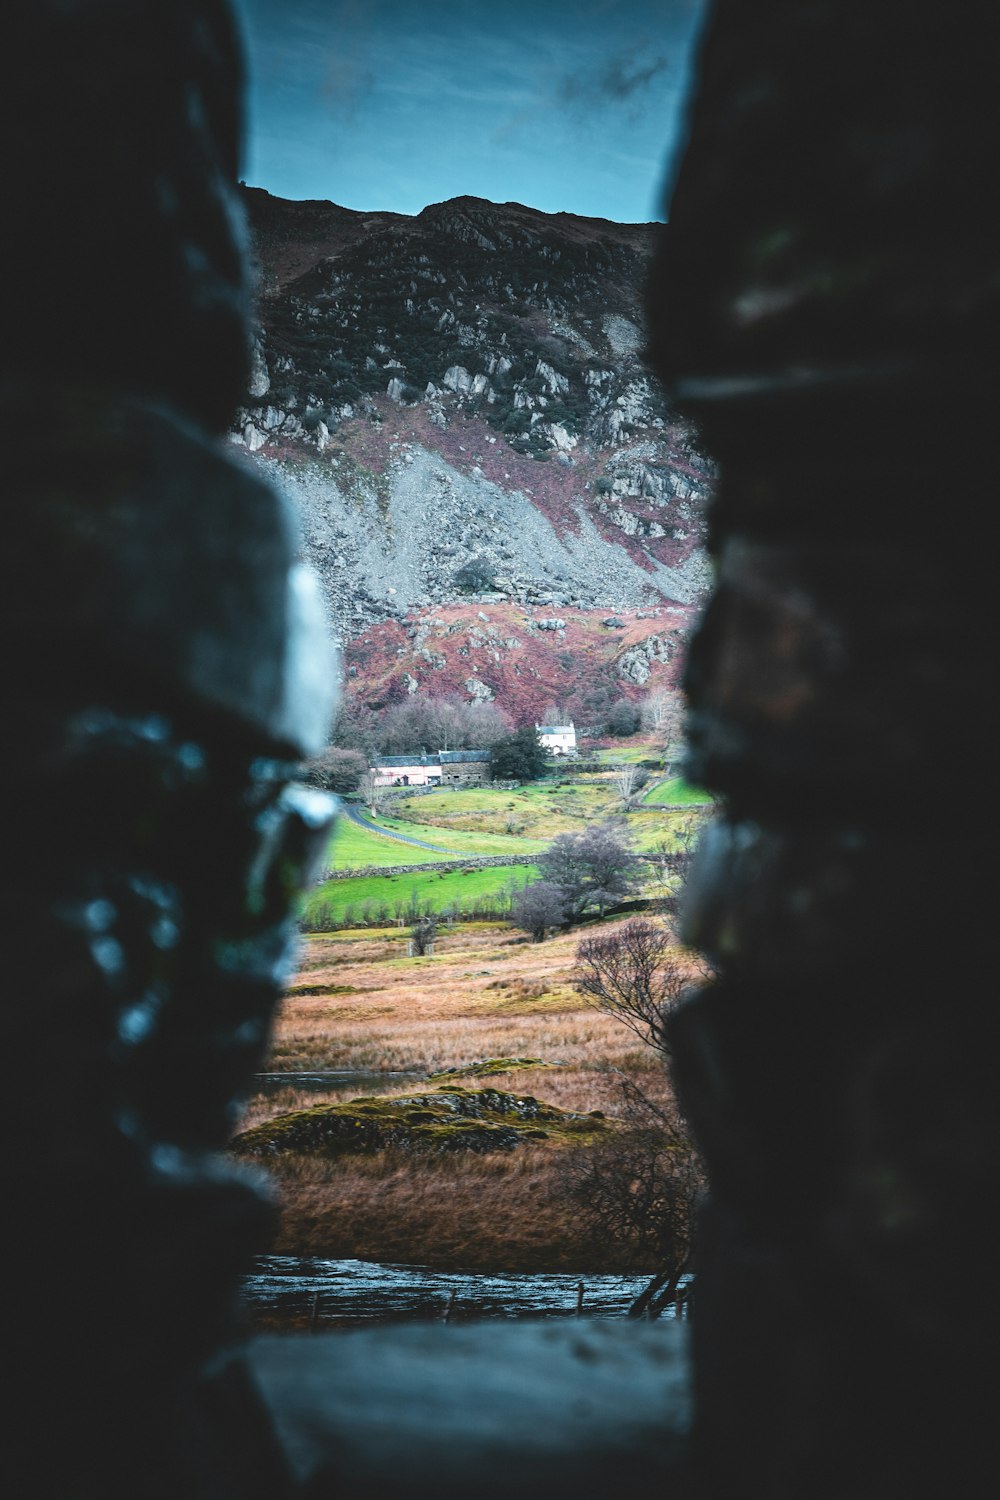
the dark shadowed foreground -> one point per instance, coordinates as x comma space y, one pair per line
825, 307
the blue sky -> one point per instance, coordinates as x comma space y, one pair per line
394, 104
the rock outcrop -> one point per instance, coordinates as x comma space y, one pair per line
467, 389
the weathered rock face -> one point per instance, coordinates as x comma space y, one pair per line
634, 664
427, 530
469, 386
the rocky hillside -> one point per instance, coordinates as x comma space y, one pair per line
583, 660
459, 407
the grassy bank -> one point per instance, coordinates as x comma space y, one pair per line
622, 754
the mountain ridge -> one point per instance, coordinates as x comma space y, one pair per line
459, 407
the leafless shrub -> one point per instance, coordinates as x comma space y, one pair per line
538, 907
422, 935
642, 1185
336, 770
639, 1190
636, 974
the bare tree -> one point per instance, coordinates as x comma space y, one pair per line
656, 709
664, 859
624, 779
538, 907
636, 975
687, 834
663, 713
595, 868
629, 781
375, 796
641, 1187
336, 770
422, 722
355, 728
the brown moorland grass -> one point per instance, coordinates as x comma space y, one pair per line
358, 1002
507, 1211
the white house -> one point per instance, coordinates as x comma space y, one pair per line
557, 739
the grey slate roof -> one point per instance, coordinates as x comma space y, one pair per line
441, 758
406, 760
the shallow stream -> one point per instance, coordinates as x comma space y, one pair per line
337, 1292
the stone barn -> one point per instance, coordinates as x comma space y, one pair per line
448, 767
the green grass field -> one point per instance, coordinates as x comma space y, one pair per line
623, 754
461, 841
380, 898
536, 812
352, 847
657, 829
471, 821
676, 793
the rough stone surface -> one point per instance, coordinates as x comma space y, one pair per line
826, 293
160, 645
407, 538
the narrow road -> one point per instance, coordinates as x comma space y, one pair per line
356, 816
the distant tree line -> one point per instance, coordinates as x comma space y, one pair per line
421, 721
419, 724
424, 724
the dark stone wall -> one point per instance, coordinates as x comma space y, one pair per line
825, 307
165, 672
123, 125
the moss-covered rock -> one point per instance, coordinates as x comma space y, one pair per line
450, 1119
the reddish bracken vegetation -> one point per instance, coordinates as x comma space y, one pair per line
579, 666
